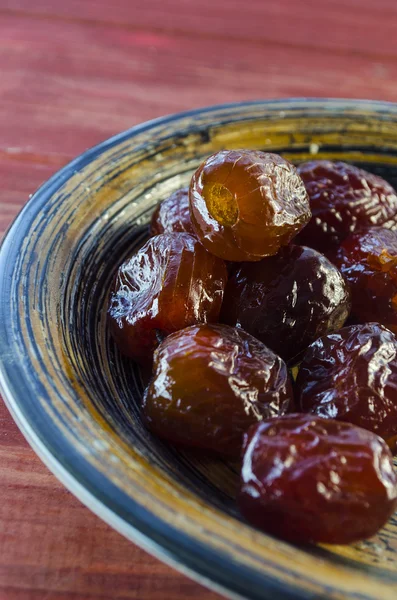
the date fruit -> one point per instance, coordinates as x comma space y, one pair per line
173, 214
246, 204
308, 479
351, 376
342, 199
368, 261
287, 301
170, 283
210, 383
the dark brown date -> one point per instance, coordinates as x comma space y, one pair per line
351, 375
368, 261
342, 199
307, 479
172, 215
288, 300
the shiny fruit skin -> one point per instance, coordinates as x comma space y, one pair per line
351, 376
246, 204
287, 301
172, 214
210, 383
307, 479
368, 261
170, 283
342, 199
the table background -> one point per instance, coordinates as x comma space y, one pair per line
74, 72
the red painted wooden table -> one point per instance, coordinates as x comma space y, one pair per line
73, 72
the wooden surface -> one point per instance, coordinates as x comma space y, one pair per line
73, 72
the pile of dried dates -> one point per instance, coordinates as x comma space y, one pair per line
256, 269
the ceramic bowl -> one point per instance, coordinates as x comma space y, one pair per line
77, 399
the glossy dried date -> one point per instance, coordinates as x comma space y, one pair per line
351, 375
246, 204
210, 383
173, 214
288, 300
344, 198
307, 479
170, 283
368, 261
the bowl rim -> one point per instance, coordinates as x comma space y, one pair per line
66, 463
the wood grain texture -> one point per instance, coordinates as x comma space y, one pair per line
67, 84
73, 73
336, 25
52, 547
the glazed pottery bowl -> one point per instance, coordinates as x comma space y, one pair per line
77, 399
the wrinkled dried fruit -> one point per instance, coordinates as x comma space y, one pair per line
210, 383
351, 376
246, 204
368, 261
342, 199
170, 283
307, 479
173, 214
287, 301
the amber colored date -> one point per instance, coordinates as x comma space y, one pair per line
351, 375
170, 283
308, 479
344, 198
210, 383
246, 204
173, 214
288, 300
